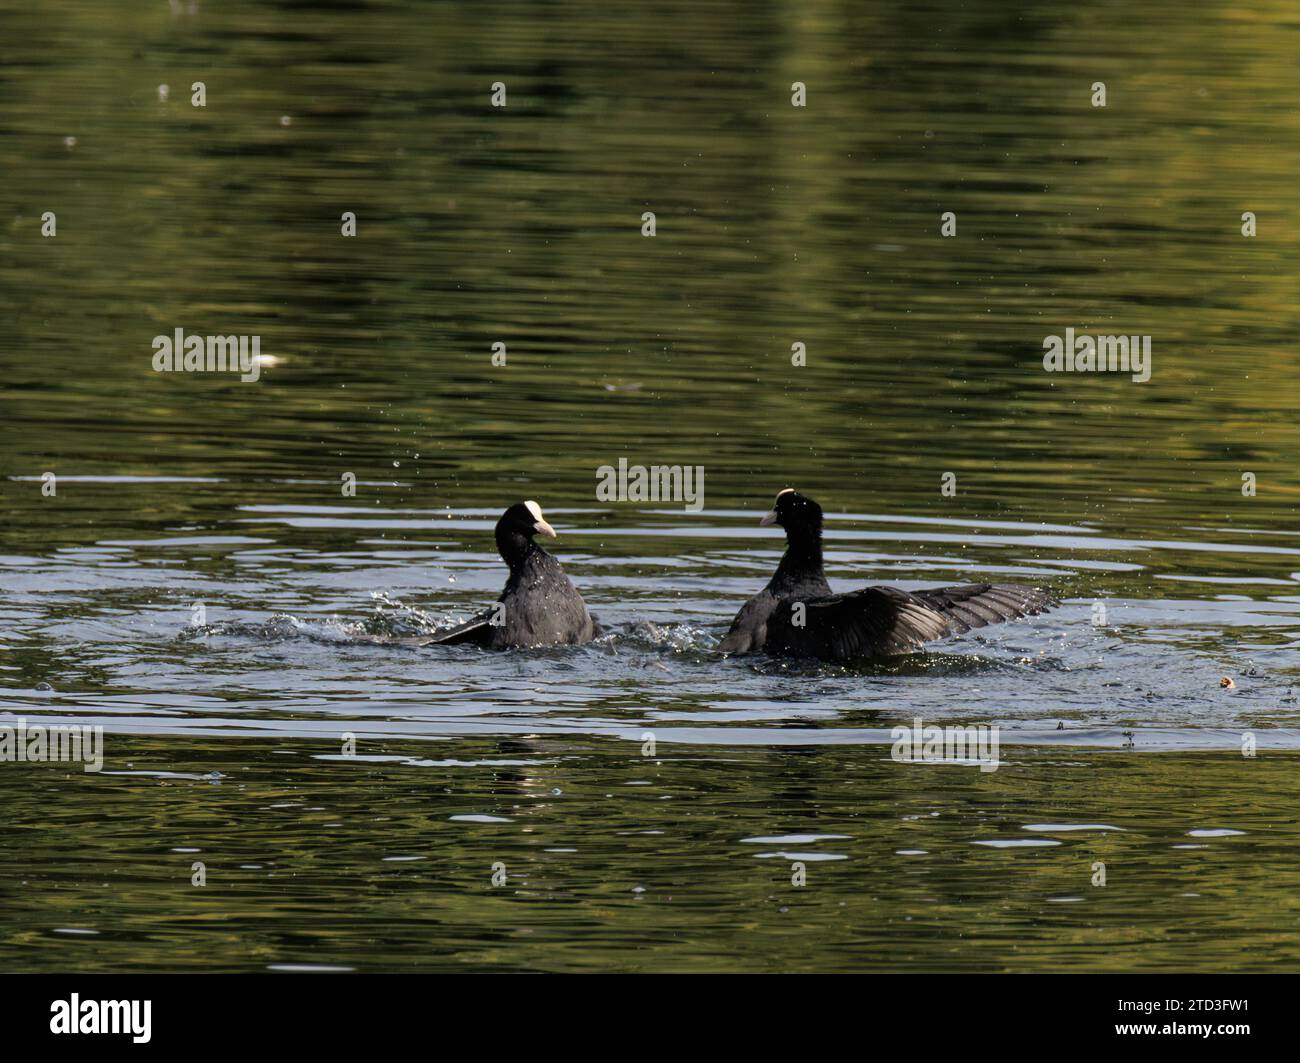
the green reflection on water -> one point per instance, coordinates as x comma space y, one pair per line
615, 861
775, 226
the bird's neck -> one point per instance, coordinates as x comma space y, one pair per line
516, 549
803, 555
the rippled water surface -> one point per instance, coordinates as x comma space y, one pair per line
201, 587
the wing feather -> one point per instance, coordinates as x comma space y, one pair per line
883, 621
873, 622
476, 631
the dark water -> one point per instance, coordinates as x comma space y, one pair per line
522, 225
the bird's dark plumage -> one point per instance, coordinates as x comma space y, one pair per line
539, 606
796, 615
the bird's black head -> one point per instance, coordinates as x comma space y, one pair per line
798, 514
516, 528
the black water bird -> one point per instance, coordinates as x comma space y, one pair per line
797, 615
539, 606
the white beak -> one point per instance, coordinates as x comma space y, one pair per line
768, 521
544, 528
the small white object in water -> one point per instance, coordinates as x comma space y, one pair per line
1016, 843
163, 92
285, 119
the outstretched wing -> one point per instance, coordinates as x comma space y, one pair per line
882, 621
476, 631
873, 622
979, 604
